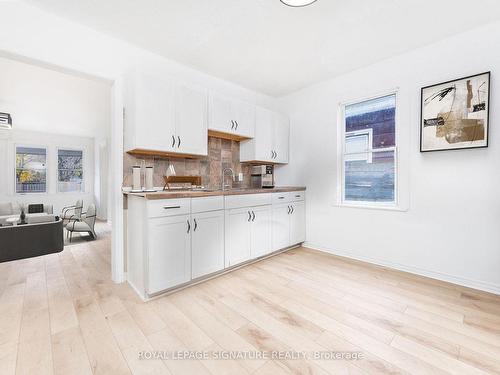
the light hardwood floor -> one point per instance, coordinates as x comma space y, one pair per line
61, 314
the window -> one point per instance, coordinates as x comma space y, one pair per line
31, 172
368, 167
70, 170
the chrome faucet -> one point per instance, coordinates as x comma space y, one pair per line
224, 173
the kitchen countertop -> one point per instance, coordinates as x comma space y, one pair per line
194, 194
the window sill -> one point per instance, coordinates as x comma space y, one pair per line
371, 207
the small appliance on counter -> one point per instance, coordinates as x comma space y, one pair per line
262, 176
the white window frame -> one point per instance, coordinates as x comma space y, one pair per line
341, 151
47, 163
83, 169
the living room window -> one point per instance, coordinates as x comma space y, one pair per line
369, 155
69, 170
31, 170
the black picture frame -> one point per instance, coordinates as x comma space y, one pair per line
487, 130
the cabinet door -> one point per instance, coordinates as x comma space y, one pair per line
261, 231
191, 120
153, 119
281, 226
169, 252
221, 114
237, 236
298, 223
244, 115
207, 243
281, 137
264, 135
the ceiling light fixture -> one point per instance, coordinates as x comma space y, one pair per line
298, 3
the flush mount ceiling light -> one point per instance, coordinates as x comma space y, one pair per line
298, 3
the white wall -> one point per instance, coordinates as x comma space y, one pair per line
451, 227
52, 109
8, 142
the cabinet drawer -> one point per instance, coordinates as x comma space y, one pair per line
168, 207
248, 200
281, 198
206, 204
297, 196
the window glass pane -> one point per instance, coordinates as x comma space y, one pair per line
70, 170
371, 182
376, 114
31, 174
370, 128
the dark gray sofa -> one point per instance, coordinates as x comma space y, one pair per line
30, 240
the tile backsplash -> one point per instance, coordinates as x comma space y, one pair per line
222, 153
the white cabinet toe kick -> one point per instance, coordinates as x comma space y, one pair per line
175, 243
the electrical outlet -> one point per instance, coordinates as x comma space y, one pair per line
240, 177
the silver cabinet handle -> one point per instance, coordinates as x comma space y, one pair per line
292, 209
189, 226
173, 141
179, 138
253, 219
232, 124
281, 197
249, 216
195, 225
236, 128
170, 207
289, 210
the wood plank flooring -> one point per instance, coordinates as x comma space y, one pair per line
61, 314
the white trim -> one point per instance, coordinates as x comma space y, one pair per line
116, 180
458, 280
340, 198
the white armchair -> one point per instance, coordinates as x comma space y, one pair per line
85, 224
72, 212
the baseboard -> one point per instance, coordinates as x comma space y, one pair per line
474, 284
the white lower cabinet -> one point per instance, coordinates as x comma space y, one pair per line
297, 222
207, 243
173, 241
260, 239
281, 226
248, 233
289, 222
238, 236
169, 252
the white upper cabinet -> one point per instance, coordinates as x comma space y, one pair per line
281, 138
191, 111
165, 116
271, 141
149, 113
232, 117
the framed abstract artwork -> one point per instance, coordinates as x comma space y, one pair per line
455, 114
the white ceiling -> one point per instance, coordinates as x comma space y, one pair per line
271, 48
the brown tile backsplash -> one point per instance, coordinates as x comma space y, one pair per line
222, 153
